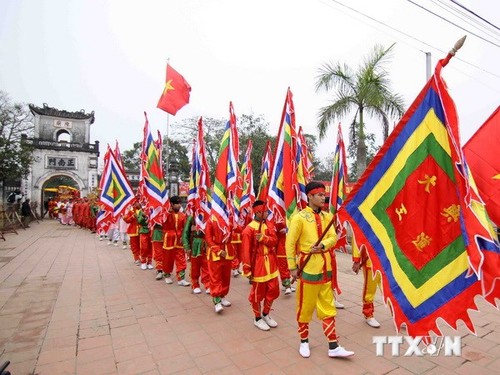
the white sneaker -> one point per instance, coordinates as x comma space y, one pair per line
372, 322
115, 243
207, 291
150, 267
339, 352
288, 291
183, 283
168, 280
196, 290
218, 308
225, 302
339, 305
269, 321
261, 324
144, 266
159, 275
100, 238
235, 273
304, 350
137, 262
109, 243
292, 288
124, 246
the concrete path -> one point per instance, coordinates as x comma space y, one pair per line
70, 304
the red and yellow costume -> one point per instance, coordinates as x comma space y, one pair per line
130, 218
194, 243
260, 264
236, 241
370, 281
314, 287
219, 267
281, 254
172, 243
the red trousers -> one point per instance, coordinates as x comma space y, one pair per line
267, 291
199, 267
176, 255
220, 277
145, 245
135, 247
158, 254
283, 268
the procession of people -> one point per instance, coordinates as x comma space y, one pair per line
182, 253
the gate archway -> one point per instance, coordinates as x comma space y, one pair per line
58, 185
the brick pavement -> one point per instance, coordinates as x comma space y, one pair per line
70, 304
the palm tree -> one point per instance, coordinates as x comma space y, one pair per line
366, 91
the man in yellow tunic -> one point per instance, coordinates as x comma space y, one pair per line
310, 263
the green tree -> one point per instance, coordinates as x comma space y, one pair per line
185, 132
16, 121
249, 127
365, 91
255, 128
132, 158
178, 157
371, 150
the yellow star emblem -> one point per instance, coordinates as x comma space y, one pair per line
497, 177
168, 86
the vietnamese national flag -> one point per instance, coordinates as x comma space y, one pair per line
175, 95
481, 153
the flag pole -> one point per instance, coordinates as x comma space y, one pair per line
167, 151
167, 148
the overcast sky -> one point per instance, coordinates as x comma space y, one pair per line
109, 56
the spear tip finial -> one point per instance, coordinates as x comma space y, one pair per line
458, 45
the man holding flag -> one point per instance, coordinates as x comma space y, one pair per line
260, 265
309, 246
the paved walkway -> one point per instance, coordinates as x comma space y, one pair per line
70, 304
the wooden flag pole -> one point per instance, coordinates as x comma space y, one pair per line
308, 256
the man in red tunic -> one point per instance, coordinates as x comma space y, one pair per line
172, 243
260, 265
220, 253
130, 217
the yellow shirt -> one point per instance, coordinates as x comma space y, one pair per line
302, 235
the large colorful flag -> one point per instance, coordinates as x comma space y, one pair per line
481, 152
116, 194
104, 220
198, 202
304, 164
283, 188
338, 188
339, 176
118, 156
154, 189
265, 172
176, 93
414, 212
226, 178
247, 197
306, 156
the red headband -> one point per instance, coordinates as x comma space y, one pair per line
259, 208
316, 190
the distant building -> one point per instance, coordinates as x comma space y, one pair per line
62, 147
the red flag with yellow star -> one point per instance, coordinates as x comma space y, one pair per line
481, 153
175, 95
